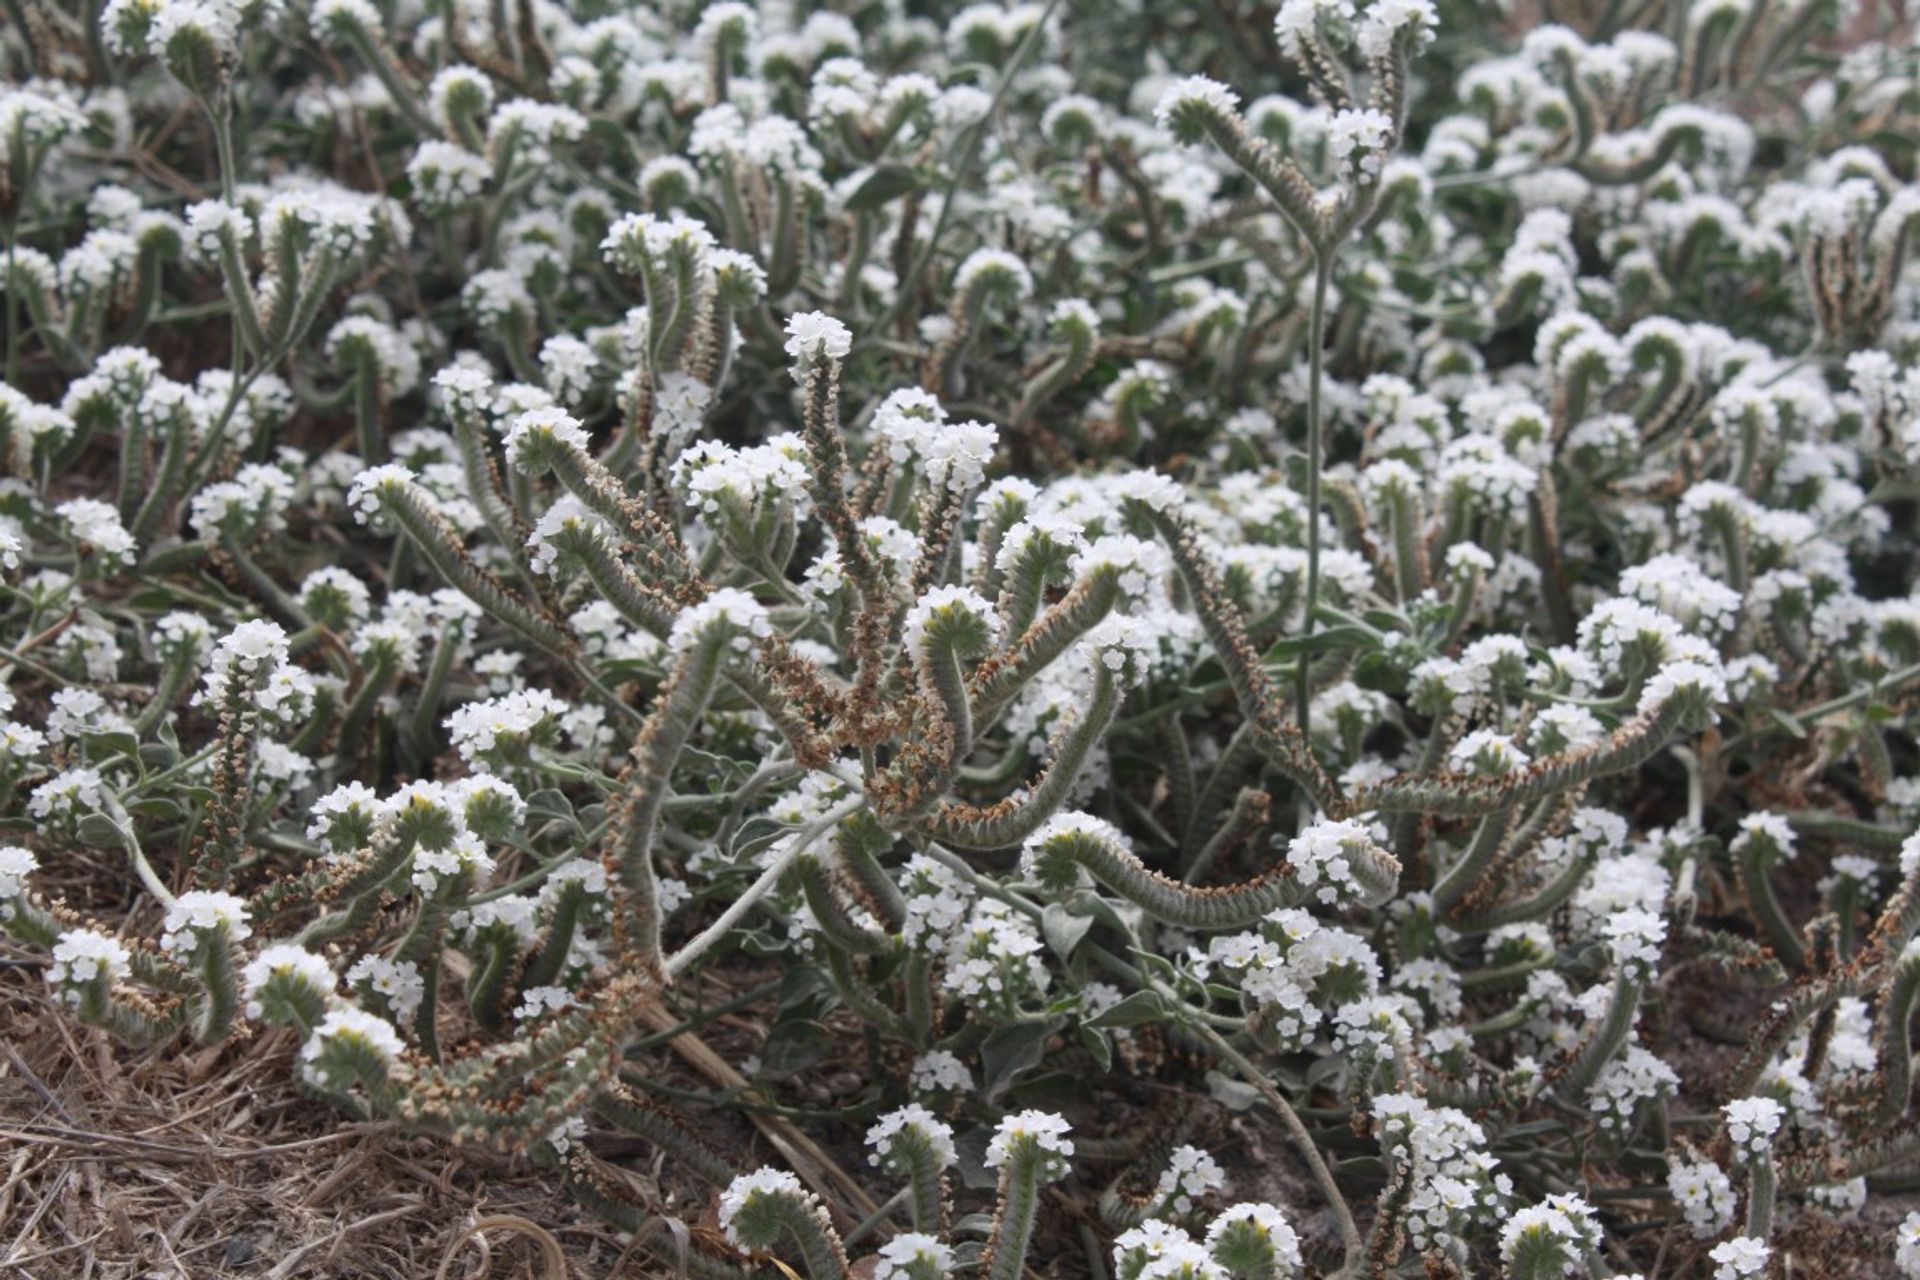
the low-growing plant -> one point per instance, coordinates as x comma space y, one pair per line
1372, 586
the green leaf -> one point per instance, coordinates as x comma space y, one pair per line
621, 670
725, 770
1096, 1043
113, 743
1321, 1070
970, 1158
1123, 917
1788, 721
1327, 641
887, 183
159, 755
100, 832
805, 990
548, 805
1012, 1051
755, 837
154, 807
794, 1045
1063, 929
1155, 964
1234, 1095
1142, 1008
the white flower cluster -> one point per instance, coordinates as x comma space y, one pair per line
1322, 857
84, 957
745, 1191
251, 663
354, 1032
1627, 1084
1635, 936
1741, 1258
1038, 1135
1751, 1126
743, 619
16, 864
496, 730
946, 613
1551, 1238
1191, 1175
814, 335
197, 914
913, 1255
1705, 1195
911, 430
290, 964
1456, 1180
913, 1124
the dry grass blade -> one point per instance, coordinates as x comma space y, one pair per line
810, 1161
553, 1262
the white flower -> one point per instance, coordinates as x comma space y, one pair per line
289, 963
200, 911
1771, 833
446, 176
1157, 1250
538, 427
1041, 1132
1299, 19
96, 526
368, 486
1751, 1125
957, 455
1385, 20
1261, 1224
1557, 1232
744, 1190
1183, 108
464, 855
484, 731
1635, 937
1069, 823
570, 517
1705, 1195
911, 1122
995, 268
812, 335
1740, 1258
1359, 139
364, 1032
1906, 1251
1486, 753
1191, 1174
744, 618
1625, 1083
16, 864
938, 1071
1682, 678
1321, 857
949, 611
911, 1254
84, 956
66, 795
399, 982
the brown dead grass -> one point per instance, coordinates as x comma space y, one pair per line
177, 1163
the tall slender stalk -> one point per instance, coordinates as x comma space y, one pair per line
1316, 460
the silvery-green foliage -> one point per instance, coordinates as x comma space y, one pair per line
1355, 566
